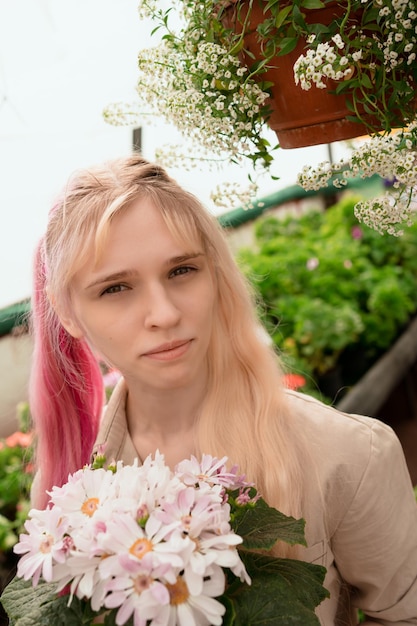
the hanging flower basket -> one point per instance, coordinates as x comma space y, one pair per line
299, 117
315, 71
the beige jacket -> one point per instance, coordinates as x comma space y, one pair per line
361, 514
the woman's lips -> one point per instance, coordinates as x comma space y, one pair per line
169, 351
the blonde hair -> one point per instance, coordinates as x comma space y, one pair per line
245, 414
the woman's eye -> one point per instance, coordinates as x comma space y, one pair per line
184, 269
113, 289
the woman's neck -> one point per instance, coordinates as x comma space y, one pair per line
164, 420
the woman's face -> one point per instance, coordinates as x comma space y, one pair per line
147, 305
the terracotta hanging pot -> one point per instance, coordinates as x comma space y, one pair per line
300, 118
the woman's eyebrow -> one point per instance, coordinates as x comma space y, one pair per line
126, 274
122, 275
183, 257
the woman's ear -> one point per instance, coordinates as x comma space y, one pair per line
67, 321
71, 327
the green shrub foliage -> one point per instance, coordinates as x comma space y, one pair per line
333, 293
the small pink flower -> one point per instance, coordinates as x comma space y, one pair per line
210, 470
101, 449
186, 608
139, 591
24, 440
124, 536
312, 264
191, 512
43, 546
245, 498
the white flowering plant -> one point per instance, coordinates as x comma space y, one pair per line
394, 158
144, 546
202, 78
372, 60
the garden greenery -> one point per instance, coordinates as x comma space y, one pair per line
333, 293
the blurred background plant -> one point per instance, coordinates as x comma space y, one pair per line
15, 479
334, 295
16, 475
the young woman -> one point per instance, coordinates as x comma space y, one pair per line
132, 270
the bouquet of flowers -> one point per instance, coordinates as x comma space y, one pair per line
145, 546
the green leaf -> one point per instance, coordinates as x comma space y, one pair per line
282, 16
41, 606
287, 45
341, 87
229, 618
298, 18
20, 597
366, 81
312, 4
283, 591
270, 5
262, 526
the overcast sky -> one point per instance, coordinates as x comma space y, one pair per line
61, 63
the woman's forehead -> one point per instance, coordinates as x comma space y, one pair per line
164, 212
144, 225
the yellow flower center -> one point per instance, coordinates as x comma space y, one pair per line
140, 548
90, 506
46, 544
178, 592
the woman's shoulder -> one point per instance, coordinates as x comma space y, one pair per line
327, 422
343, 444
355, 462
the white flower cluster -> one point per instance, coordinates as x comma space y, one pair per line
232, 194
195, 80
122, 113
401, 41
203, 90
387, 214
394, 158
321, 63
147, 541
227, 194
340, 61
202, 94
147, 8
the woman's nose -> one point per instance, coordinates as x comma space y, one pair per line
161, 310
